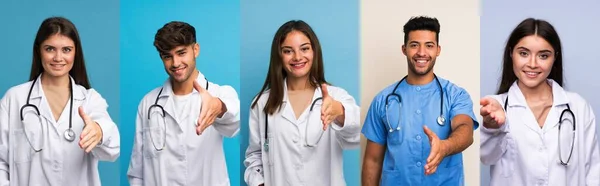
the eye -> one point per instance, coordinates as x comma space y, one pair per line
66, 50
182, 53
523, 54
413, 45
49, 49
286, 51
544, 56
430, 45
305, 49
166, 57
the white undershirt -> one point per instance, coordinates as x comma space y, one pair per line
181, 103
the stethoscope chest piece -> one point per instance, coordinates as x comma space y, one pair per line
266, 145
441, 120
69, 135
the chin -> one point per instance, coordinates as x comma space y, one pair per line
56, 74
529, 83
299, 75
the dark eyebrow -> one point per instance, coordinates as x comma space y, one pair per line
545, 51
283, 47
181, 50
164, 54
427, 42
522, 48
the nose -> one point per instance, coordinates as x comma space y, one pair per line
176, 60
57, 57
532, 63
421, 51
297, 56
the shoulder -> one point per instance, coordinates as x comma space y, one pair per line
217, 89
336, 91
16, 92
452, 87
577, 101
386, 91
262, 97
21, 89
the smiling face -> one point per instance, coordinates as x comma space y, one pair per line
421, 51
180, 62
533, 58
57, 54
297, 55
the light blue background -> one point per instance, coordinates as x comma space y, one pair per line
217, 32
98, 26
577, 25
336, 24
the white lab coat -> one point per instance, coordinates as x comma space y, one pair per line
522, 153
288, 162
60, 163
187, 159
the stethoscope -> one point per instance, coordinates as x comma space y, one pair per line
306, 144
560, 120
440, 119
69, 134
162, 114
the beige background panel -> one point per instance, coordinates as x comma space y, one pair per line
382, 61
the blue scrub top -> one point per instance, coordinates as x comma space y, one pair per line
407, 150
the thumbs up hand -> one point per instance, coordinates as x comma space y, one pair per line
331, 109
92, 133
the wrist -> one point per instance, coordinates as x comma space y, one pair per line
445, 144
222, 108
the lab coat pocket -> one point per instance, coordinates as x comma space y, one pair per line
153, 142
391, 177
396, 137
270, 151
23, 150
508, 160
449, 175
394, 124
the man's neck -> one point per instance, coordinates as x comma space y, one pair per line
414, 79
186, 87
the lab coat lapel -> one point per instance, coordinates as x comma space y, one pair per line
167, 100
559, 103
516, 99
288, 111
38, 98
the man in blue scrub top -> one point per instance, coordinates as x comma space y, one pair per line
398, 121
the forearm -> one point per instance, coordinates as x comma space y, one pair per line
371, 172
460, 139
341, 118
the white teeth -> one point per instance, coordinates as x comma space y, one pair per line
532, 73
298, 64
421, 61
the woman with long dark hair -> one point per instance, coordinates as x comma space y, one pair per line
299, 124
54, 129
534, 131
